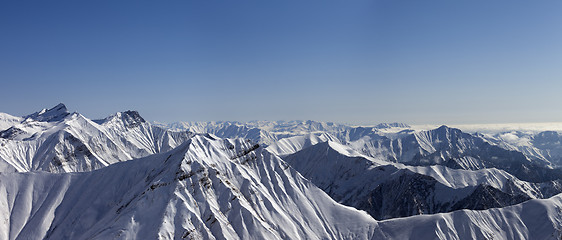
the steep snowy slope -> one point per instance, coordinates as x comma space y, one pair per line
55, 114
7, 120
550, 145
387, 190
294, 144
55, 140
206, 188
34, 124
534, 219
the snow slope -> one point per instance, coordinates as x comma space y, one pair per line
534, 219
211, 188
389, 190
207, 188
55, 140
294, 144
545, 146
7, 120
124, 178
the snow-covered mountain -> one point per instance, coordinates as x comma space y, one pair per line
206, 188
64, 176
7, 120
527, 138
386, 139
543, 146
534, 219
225, 130
441, 146
388, 190
55, 114
55, 140
267, 132
294, 144
453, 148
210, 188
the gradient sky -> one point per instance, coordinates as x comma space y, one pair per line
419, 62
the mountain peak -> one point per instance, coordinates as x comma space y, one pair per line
128, 118
445, 129
133, 115
53, 114
131, 118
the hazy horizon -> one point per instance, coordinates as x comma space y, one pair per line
360, 62
542, 126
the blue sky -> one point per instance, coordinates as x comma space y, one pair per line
419, 62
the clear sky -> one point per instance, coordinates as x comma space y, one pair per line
419, 62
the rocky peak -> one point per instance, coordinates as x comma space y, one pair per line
55, 114
129, 119
132, 118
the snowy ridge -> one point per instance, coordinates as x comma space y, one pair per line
7, 120
453, 148
226, 130
205, 189
363, 138
54, 114
534, 219
291, 145
389, 190
211, 188
122, 177
545, 146
75, 143
442, 146
524, 137
263, 132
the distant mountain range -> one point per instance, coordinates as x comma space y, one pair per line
64, 176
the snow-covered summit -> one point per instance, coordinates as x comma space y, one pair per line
127, 118
56, 113
74, 143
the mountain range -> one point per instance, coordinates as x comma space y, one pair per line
64, 176
55, 140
